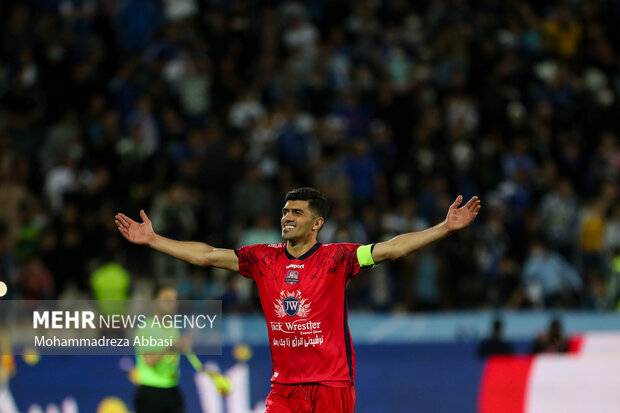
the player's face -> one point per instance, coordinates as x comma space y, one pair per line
297, 220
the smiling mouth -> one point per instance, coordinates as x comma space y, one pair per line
288, 227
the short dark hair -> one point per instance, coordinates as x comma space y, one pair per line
317, 202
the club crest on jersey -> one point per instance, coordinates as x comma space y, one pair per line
292, 277
291, 304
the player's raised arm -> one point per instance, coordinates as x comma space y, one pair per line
404, 244
197, 253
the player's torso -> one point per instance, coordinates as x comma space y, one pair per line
302, 298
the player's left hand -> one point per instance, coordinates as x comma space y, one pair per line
458, 218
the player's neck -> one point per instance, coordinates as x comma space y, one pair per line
297, 248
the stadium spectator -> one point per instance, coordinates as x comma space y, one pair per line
552, 340
550, 281
612, 230
558, 215
172, 209
263, 229
495, 345
592, 236
34, 281
110, 285
198, 286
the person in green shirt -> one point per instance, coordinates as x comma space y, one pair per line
157, 366
110, 286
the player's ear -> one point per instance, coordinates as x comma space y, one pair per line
318, 223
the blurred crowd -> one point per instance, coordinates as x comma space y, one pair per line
204, 113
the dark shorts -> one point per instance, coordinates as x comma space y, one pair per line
310, 398
158, 400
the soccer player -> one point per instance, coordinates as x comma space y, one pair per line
301, 284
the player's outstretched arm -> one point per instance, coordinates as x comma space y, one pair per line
197, 253
404, 244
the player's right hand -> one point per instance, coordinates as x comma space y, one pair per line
138, 233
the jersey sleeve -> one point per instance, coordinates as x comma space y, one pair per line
356, 257
247, 260
349, 257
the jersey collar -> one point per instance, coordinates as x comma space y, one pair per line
306, 255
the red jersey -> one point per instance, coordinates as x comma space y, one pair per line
304, 303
